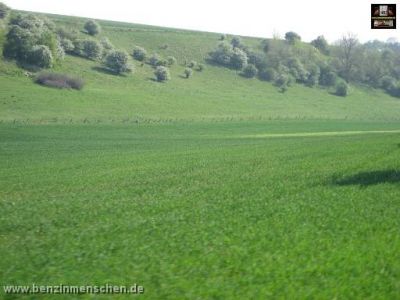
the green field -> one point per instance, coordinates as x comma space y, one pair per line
216, 187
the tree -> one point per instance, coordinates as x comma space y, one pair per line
250, 71
342, 89
92, 27
117, 61
346, 55
292, 37
321, 44
188, 72
162, 74
4, 10
139, 53
41, 56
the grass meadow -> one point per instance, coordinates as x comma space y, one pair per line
223, 210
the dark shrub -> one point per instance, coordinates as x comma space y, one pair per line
139, 53
60, 81
41, 56
292, 37
162, 74
387, 83
282, 81
200, 67
88, 48
250, 71
328, 78
238, 59
171, 60
268, 74
222, 55
188, 72
321, 44
342, 89
67, 45
236, 42
222, 37
154, 60
192, 64
92, 27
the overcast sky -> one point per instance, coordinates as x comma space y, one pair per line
261, 18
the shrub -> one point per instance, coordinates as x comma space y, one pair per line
59, 80
321, 44
92, 27
67, 34
192, 64
117, 61
313, 75
188, 72
19, 42
395, 90
171, 60
236, 42
222, 37
268, 74
200, 67
328, 78
297, 70
139, 53
238, 59
154, 60
67, 45
342, 89
250, 71
106, 44
387, 83
222, 55
162, 74
292, 37
4, 10
257, 59
282, 81
92, 49
30, 22
41, 56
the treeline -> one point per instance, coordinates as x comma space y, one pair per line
288, 60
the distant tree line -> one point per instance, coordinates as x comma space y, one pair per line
287, 61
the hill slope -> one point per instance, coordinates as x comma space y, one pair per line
215, 94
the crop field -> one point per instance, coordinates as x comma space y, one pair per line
217, 210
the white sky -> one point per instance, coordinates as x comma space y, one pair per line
261, 18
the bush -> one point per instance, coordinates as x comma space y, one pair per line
222, 37
41, 56
154, 60
192, 64
59, 81
117, 61
328, 78
106, 44
250, 71
268, 74
342, 89
321, 44
162, 74
200, 67
282, 81
92, 49
139, 53
292, 37
188, 72
67, 45
238, 59
395, 90
297, 70
236, 42
313, 76
222, 55
171, 60
30, 22
4, 10
92, 27
257, 59
387, 83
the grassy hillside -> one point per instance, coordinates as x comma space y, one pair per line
214, 94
